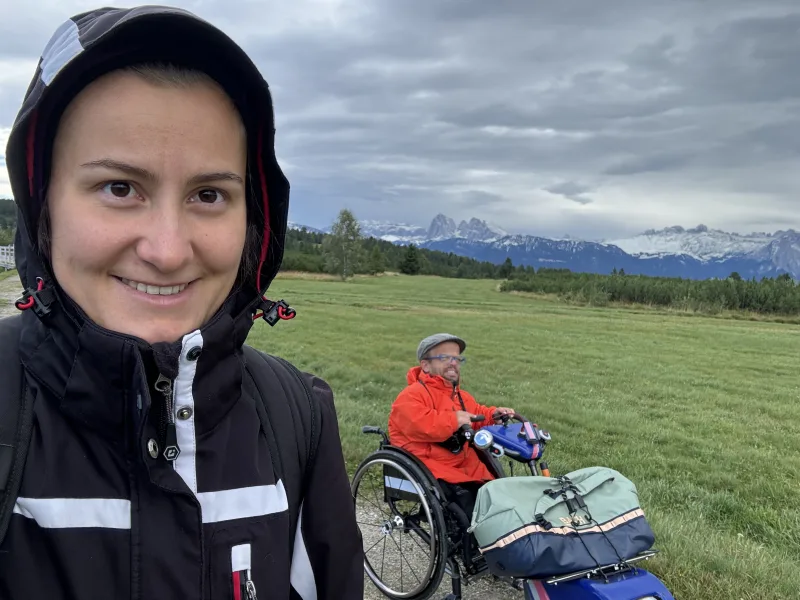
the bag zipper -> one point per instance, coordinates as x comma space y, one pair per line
168, 431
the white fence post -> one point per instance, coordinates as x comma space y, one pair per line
7, 257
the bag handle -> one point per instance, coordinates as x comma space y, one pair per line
555, 496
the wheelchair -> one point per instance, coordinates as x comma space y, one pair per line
402, 510
404, 504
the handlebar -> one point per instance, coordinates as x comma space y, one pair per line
506, 418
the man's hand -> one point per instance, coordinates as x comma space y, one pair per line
501, 412
464, 417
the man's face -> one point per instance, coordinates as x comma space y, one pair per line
437, 364
147, 204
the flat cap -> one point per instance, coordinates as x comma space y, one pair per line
438, 338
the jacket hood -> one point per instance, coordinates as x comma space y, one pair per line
93, 43
413, 375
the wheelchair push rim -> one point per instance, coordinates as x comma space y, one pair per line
393, 511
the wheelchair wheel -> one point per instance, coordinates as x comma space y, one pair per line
402, 524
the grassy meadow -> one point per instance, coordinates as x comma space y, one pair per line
701, 413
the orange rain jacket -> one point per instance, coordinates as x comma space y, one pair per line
423, 415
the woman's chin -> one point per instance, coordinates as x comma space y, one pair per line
155, 331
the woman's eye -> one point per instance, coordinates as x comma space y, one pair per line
209, 196
118, 189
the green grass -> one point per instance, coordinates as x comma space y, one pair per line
7, 274
701, 413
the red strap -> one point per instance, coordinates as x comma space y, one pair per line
237, 587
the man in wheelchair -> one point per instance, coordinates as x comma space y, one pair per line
426, 417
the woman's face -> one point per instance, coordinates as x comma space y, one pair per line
147, 204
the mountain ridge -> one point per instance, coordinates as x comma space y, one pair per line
699, 252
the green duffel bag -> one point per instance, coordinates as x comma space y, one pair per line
544, 526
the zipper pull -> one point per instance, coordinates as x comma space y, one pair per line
171, 449
250, 587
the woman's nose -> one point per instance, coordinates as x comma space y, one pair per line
166, 242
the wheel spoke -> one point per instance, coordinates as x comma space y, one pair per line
406, 509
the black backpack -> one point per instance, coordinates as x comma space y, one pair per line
285, 397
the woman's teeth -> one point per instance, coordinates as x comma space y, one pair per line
155, 290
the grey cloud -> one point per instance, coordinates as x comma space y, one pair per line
572, 191
478, 200
654, 162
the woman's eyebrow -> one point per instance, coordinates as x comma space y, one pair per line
218, 176
116, 165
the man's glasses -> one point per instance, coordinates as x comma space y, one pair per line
448, 358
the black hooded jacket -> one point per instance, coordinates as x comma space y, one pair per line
101, 512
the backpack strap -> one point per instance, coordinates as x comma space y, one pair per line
16, 419
290, 418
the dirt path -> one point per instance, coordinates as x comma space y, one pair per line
10, 290
483, 589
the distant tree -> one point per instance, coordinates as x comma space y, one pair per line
622, 272
409, 265
6, 236
506, 269
8, 214
376, 263
343, 247
614, 271
735, 276
784, 277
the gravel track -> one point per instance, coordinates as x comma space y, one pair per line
10, 290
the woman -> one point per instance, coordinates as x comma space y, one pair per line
152, 216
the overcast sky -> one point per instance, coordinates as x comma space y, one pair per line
592, 118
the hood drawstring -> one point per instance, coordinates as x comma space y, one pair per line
272, 312
40, 300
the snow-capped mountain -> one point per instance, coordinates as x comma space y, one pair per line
480, 231
697, 253
393, 232
299, 226
783, 251
442, 227
700, 242
594, 257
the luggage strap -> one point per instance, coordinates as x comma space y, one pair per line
553, 497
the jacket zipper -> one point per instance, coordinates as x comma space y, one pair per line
168, 432
249, 586
243, 586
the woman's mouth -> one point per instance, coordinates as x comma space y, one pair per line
154, 290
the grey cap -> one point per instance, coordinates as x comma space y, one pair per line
438, 338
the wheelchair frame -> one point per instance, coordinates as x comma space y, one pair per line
406, 478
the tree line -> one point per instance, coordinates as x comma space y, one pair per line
778, 296
345, 252
8, 221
